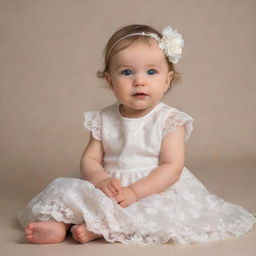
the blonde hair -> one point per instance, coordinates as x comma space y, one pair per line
111, 47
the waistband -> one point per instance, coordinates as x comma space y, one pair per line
134, 169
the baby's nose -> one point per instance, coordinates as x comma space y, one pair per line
139, 80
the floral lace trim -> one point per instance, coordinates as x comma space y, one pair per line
186, 235
150, 233
44, 209
92, 122
178, 118
115, 224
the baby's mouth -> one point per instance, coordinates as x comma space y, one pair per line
139, 94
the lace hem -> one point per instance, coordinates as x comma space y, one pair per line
92, 123
141, 223
178, 118
186, 236
128, 234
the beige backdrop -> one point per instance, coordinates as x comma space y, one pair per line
50, 52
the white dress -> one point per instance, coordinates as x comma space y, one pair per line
185, 213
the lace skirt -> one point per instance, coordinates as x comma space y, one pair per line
185, 213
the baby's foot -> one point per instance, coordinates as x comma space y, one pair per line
82, 235
46, 232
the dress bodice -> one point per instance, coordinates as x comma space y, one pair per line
132, 144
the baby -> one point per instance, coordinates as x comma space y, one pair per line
134, 187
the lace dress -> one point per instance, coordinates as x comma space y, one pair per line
185, 213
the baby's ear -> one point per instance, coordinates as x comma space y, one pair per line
168, 81
169, 77
108, 79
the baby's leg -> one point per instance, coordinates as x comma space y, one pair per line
46, 232
82, 235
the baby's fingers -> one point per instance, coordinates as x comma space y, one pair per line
124, 204
119, 198
107, 192
112, 189
116, 184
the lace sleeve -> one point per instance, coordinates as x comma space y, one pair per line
92, 123
178, 118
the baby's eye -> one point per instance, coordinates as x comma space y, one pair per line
126, 72
152, 71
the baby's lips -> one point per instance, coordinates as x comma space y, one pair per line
139, 93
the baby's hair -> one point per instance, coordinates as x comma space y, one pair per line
111, 48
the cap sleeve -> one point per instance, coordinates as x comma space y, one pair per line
92, 122
178, 118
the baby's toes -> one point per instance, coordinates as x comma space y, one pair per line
77, 232
82, 239
29, 237
74, 235
28, 232
81, 234
29, 229
79, 237
80, 229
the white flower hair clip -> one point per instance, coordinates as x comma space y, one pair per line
171, 42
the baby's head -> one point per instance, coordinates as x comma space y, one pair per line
122, 39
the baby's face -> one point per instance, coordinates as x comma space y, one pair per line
139, 77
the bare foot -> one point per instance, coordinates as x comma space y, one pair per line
82, 235
46, 232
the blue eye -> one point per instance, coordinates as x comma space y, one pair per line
152, 72
126, 72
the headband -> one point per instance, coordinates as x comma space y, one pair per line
171, 42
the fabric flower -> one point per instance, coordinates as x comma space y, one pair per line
172, 43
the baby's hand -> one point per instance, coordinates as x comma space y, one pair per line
110, 186
126, 198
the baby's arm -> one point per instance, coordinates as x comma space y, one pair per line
91, 168
171, 163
